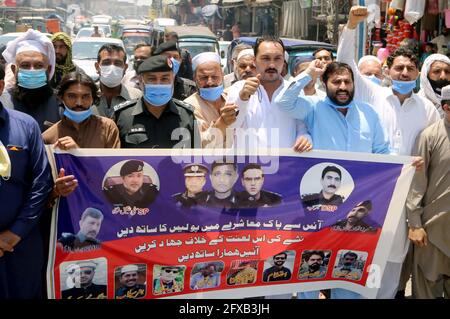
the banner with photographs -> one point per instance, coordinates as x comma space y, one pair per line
202, 225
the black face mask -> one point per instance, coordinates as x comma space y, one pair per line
438, 85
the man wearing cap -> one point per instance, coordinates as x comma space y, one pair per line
25, 185
33, 58
157, 120
183, 88
186, 66
141, 52
111, 66
86, 239
170, 280
254, 196
245, 69
428, 209
213, 115
129, 287
195, 179
133, 191
223, 176
370, 68
354, 220
82, 273
63, 53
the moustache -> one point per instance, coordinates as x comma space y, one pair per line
331, 186
269, 70
343, 91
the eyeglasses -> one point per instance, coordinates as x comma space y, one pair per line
175, 271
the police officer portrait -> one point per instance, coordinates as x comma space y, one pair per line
325, 186
86, 238
357, 219
131, 183
130, 281
84, 279
252, 179
223, 177
194, 181
349, 264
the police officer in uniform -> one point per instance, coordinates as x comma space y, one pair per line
183, 88
195, 179
223, 176
253, 179
85, 271
133, 191
90, 223
150, 121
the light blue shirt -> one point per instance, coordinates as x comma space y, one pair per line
358, 131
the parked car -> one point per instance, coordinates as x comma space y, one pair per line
5, 38
223, 45
302, 49
195, 39
85, 50
135, 34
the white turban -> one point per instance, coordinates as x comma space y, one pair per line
129, 268
205, 57
368, 58
445, 93
425, 87
32, 40
245, 52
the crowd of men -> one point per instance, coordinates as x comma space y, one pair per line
341, 105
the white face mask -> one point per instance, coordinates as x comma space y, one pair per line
5, 162
111, 75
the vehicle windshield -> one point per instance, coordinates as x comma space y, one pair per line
85, 32
4, 39
86, 50
197, 48
131, 41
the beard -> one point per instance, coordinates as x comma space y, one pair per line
31, 97
333, 97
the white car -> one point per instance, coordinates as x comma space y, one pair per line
85, 50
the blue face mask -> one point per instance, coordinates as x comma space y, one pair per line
77, 117
211, 94
374, 79
32, 79
403, 87
336, 106
158, 94
176, 66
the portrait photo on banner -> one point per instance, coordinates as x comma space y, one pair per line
325, 186
314, 264
168, 279
279, 267
349, 265
130, 281
84, 279
206, 275
131, 183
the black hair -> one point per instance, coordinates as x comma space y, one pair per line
282, 253
352, 254
2, 71
402, 51
307, 255
92, 212
78, 77
268, 39
336, 67
367, 204
251, 166
141, 45
322, 49
109, 47
331, 168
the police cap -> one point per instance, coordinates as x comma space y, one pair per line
166, 46
157, 63
195, 170
131, 166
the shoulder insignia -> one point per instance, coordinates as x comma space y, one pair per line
184, 105
125, 105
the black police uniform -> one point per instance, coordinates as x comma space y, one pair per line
183, 200
183, 88
93, 291
138, 128
310, 200
72, 242
142, 198
209, 199
138, 291
265, 199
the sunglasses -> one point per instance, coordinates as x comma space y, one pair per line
280, 258
175, 271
